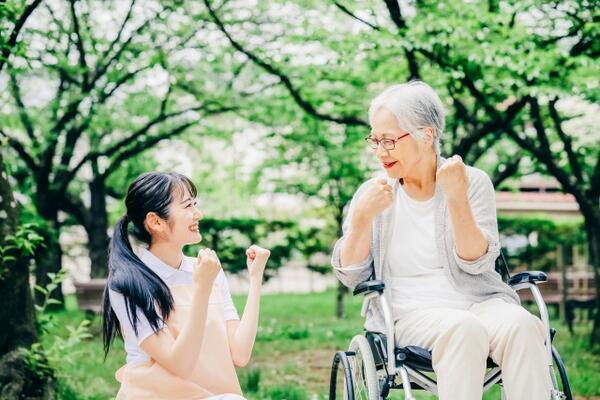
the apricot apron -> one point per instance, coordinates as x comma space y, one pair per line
214, 373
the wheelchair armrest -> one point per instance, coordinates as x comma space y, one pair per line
527, 277
368, 287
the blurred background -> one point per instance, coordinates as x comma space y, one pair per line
263, 104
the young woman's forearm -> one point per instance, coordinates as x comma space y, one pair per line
245, 334
179, 355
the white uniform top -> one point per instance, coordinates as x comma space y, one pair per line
413, 269
171, 276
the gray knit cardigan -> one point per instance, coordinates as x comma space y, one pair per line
477, 278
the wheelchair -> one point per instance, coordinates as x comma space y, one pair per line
373, 365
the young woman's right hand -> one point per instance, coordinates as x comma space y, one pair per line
207, 267
377, 198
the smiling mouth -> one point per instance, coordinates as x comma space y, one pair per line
194, 228
389, 164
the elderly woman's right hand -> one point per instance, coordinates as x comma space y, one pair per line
377, 198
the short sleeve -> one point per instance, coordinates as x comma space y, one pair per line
144, 329
229, 310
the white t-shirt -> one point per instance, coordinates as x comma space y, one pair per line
171, 276
413, 269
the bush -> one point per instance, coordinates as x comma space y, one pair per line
287, 393
251, 380
541, 238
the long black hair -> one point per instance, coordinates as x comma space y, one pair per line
142, 288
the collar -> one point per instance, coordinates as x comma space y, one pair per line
162, 269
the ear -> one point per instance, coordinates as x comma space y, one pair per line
429, 135
154, 223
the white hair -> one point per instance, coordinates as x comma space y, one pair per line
416, 106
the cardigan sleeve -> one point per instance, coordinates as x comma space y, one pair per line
483, 204
351, 275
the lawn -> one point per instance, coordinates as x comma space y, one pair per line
297, 337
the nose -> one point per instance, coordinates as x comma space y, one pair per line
197, 214
380, 150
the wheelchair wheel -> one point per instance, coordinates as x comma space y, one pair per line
563, 384
340, 383
362, 366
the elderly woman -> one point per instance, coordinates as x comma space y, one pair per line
429, 231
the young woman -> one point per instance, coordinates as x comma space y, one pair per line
182, 333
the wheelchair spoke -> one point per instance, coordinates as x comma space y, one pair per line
358, 377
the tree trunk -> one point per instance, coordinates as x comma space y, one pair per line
17, 309
97, 229
593, 238
49, 258
340, 310
341, 289
19, 329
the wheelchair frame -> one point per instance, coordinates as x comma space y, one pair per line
395, 365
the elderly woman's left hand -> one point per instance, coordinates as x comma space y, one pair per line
452, 177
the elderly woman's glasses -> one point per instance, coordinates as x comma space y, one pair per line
388, 144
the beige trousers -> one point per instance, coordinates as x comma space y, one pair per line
461, 341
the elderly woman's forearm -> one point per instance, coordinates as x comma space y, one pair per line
357, 243
470, 241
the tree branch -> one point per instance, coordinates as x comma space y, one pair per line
114, 193
285, 80
77, 209
140, 147
346, 11
103, 68
393, 7
395, 12
20, 149
118, 83
540, 130
595, 188
567, 142
69, 115
12, 39
79, 44
71, 139
510, 168
117, 39
498, 121
547, 160
23, 114
115, 147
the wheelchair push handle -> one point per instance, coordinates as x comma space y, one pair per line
369, 287
527, 277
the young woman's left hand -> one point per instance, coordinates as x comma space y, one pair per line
256, 260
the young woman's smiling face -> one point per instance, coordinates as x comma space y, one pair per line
184, 216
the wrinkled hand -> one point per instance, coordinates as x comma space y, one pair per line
256, 260
207, 267
376, 199
452, 177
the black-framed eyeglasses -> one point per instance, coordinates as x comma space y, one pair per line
388, 144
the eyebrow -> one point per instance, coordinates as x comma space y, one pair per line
384, 134
186, 200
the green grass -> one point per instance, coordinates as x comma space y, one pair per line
297, 338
